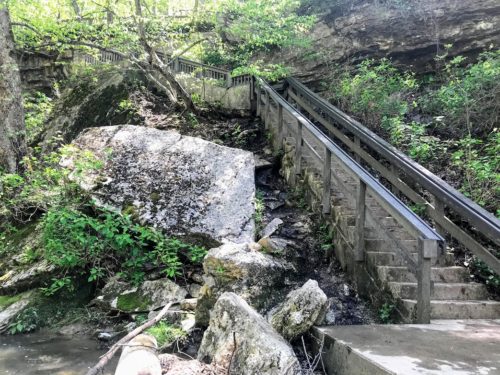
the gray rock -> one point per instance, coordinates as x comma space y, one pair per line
243, 269
23, 278
13, 306
272, 227
183, 185
302, 308
274, 245
260, 349
149, 296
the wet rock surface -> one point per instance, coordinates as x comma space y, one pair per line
176, 183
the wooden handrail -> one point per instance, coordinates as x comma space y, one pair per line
444, 194
429, 240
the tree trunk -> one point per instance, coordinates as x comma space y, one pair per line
12, 128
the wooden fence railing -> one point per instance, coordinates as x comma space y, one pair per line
445, 206
312, 143
179, 65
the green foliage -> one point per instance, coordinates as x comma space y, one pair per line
166, 333
386, 313
466, 102
457, 115
259, 209
38, 108
485, 274
325, 236
479, 161
27, 321
105, 243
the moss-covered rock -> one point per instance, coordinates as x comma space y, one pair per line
149, 296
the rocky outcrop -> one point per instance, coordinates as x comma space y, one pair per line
242, 339
183, 185
411, 33
149, 296
20, 279
173, 365
11, 306
302, 308
243, 269
102, 99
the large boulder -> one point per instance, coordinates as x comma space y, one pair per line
241, 338
302, 308
149, 296
183, 185
243, 269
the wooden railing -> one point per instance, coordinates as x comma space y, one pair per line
448, 208
311, 142
179, 65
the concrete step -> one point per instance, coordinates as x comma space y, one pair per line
385, 258
442, 347
449, 309
372, 244
442, 291
439, 274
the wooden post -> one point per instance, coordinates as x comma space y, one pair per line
394, 171
176, 65
229, 80
327, 180
427, 249
439, 207
259, 101
280, 125
298, 150
360, 221
266, 111
357, 141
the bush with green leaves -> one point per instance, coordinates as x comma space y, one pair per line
100, 243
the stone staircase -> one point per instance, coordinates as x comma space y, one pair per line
453, 295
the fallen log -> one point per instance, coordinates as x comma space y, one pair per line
112, 351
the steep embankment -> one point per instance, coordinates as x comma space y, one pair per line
411, 33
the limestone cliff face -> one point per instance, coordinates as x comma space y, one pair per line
410, 32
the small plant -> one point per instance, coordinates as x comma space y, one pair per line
386, 313
326, 238
27, 321
166, 333
259, 209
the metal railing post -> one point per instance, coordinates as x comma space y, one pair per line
427, 249
327, 180
360, 221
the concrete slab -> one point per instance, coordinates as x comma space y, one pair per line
459, 347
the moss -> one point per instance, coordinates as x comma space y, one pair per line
166, 333
6, 301
133, 302
155, 197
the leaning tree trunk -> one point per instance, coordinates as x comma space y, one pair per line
12, 128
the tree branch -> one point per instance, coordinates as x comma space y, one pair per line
112, 351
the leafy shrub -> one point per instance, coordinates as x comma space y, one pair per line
107, 242
467, 101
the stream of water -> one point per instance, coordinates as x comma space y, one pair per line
46, 354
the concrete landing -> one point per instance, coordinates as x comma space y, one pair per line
443, 347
